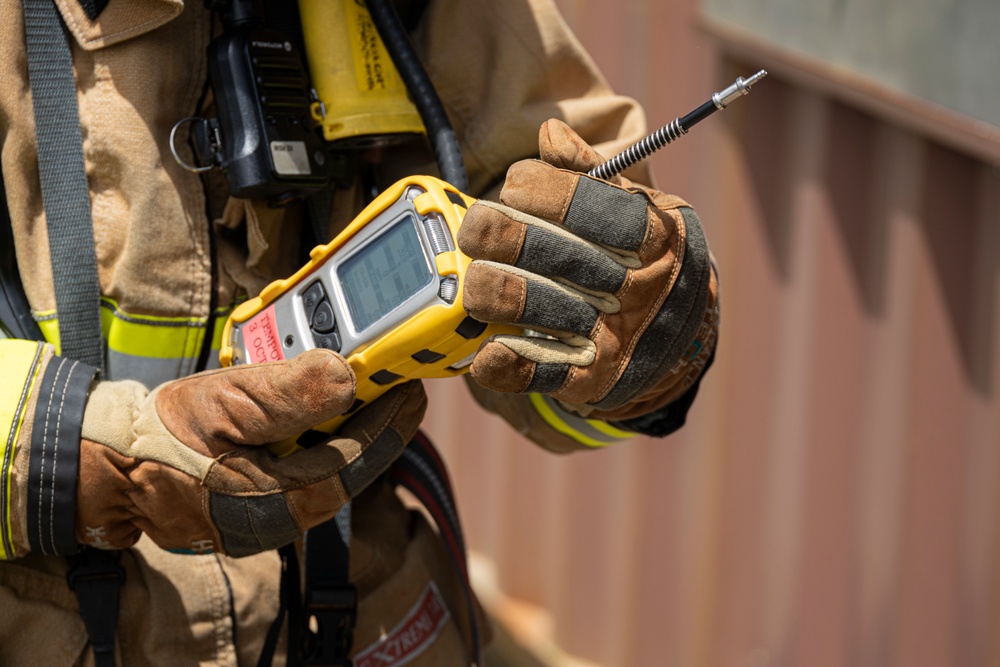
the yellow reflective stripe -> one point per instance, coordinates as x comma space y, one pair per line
50, 330
220, 321
18, 359
559, 424
152, 339
608, 429
144, 335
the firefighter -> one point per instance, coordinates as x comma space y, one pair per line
158, 461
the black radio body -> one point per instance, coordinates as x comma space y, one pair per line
264, 138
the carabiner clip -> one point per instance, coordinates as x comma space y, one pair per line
206, 139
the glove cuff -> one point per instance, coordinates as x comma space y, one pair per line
53, 444
111, 413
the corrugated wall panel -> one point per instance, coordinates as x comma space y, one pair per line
883, 457
834, 497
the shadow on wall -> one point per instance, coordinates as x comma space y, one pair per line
854, 168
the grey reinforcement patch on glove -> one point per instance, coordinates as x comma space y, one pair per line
251, 524
674, 327
372, 462
608, 215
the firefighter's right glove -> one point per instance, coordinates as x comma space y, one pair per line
186, 464
618, 276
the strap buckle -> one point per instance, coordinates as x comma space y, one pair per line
334, 611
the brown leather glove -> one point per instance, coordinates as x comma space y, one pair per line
618, 276
183, 463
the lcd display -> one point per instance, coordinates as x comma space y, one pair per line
384, 274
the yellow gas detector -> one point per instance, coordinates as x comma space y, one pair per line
386, 293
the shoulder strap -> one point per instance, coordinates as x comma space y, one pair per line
95, 576
63, 178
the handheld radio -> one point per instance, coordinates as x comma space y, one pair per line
264, 139
386, 293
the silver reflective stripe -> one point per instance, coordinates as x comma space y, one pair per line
150, 371
151, 350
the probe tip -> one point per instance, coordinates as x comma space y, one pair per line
755, 78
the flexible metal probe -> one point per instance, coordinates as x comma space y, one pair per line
674, 129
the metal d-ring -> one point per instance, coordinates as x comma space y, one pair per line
173, 147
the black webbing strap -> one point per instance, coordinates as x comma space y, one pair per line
289, 599
64, 183
331, 601
330, 598
96, 577
321, 631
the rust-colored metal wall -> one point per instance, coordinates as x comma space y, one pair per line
833, 499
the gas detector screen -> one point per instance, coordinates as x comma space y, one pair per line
384, 274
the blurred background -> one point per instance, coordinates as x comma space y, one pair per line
833, 499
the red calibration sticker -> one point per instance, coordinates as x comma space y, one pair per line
261, 337
411, 637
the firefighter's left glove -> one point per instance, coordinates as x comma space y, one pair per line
186, 464
617, 276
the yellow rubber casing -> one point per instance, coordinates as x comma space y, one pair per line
362, 97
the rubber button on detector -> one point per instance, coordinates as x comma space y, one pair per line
330, 341
322, 320
312, 298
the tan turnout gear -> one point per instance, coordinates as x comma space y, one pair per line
501, 69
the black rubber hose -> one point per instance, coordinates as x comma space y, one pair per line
443, 139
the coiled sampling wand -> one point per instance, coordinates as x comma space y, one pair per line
674, 129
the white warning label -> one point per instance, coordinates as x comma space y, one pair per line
290, 158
